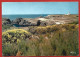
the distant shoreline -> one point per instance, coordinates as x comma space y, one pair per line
12, 17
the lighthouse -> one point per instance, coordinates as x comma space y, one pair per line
68, 13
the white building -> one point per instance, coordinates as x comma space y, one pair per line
68, 13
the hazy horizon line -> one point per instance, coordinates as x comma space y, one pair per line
29, 14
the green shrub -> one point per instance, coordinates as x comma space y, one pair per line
46, 48
4, 27
75, 22
66, 43
9, 49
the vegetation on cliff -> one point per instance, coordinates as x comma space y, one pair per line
53, 40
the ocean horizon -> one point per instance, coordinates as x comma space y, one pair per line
12, 17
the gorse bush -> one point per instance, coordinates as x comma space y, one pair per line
15, 35
70, 26
55, 40
44, 30
53, 28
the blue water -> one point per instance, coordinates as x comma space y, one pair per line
12, 17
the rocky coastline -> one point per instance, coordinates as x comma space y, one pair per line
41, 21
44, 36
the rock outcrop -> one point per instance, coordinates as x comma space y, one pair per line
23, 22
32, 22
6, 21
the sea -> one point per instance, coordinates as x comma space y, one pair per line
12, 17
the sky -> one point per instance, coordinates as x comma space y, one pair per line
39, 8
